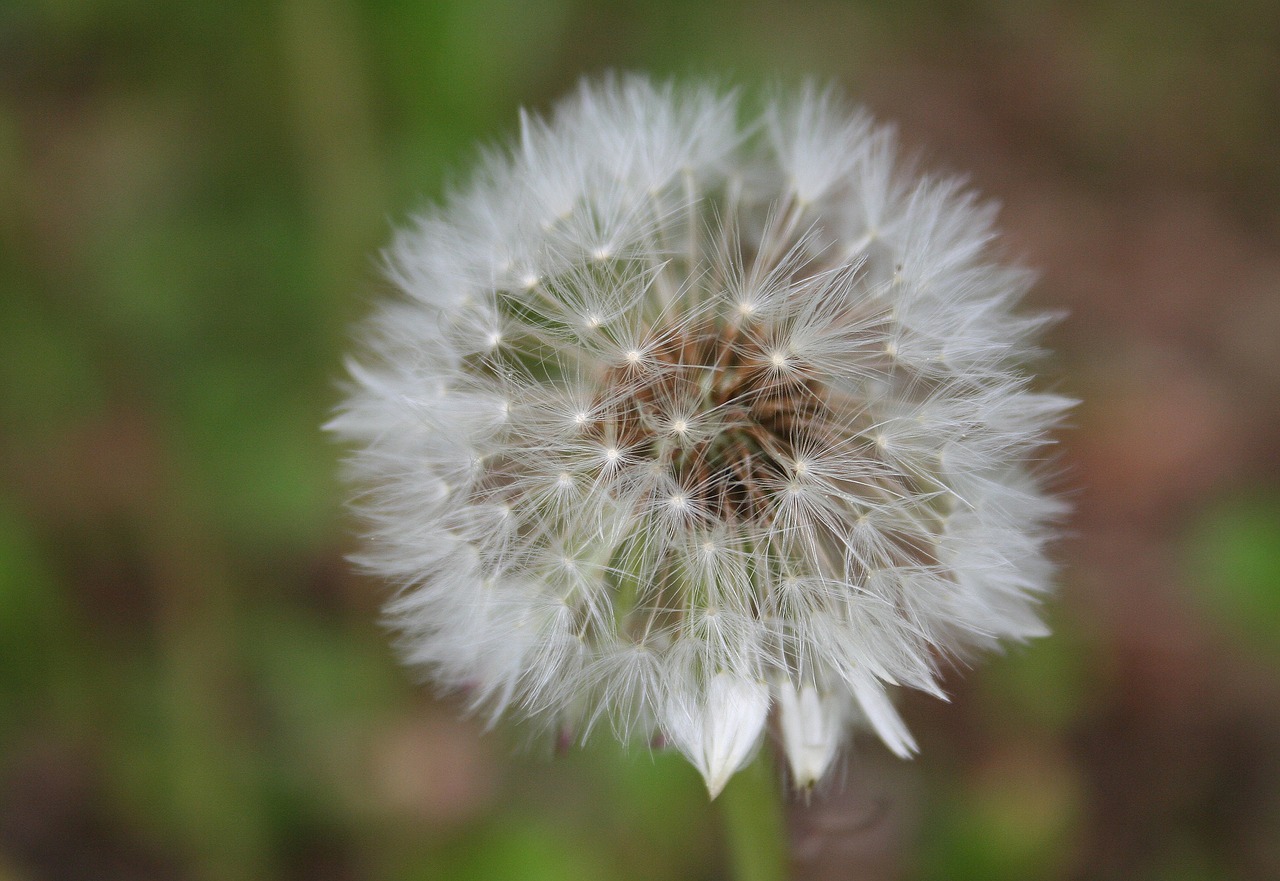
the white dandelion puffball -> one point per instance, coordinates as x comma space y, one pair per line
685, 418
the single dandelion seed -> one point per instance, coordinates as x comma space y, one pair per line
858, 498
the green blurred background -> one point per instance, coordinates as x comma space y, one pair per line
193, 683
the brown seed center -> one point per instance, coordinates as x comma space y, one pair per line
725, 413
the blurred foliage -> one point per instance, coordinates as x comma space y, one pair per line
1235, 553
192, 683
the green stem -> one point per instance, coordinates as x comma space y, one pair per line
754, 823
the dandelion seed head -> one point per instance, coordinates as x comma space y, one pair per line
644, 443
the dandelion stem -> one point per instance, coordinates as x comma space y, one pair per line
752, 815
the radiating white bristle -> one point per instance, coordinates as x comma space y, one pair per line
682, 414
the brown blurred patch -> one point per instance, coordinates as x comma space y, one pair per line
859, 824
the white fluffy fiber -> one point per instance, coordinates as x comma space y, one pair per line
557, 428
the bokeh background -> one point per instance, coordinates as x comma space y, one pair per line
194, 684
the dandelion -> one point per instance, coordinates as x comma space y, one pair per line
682, 421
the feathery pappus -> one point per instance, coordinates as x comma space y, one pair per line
688, 415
